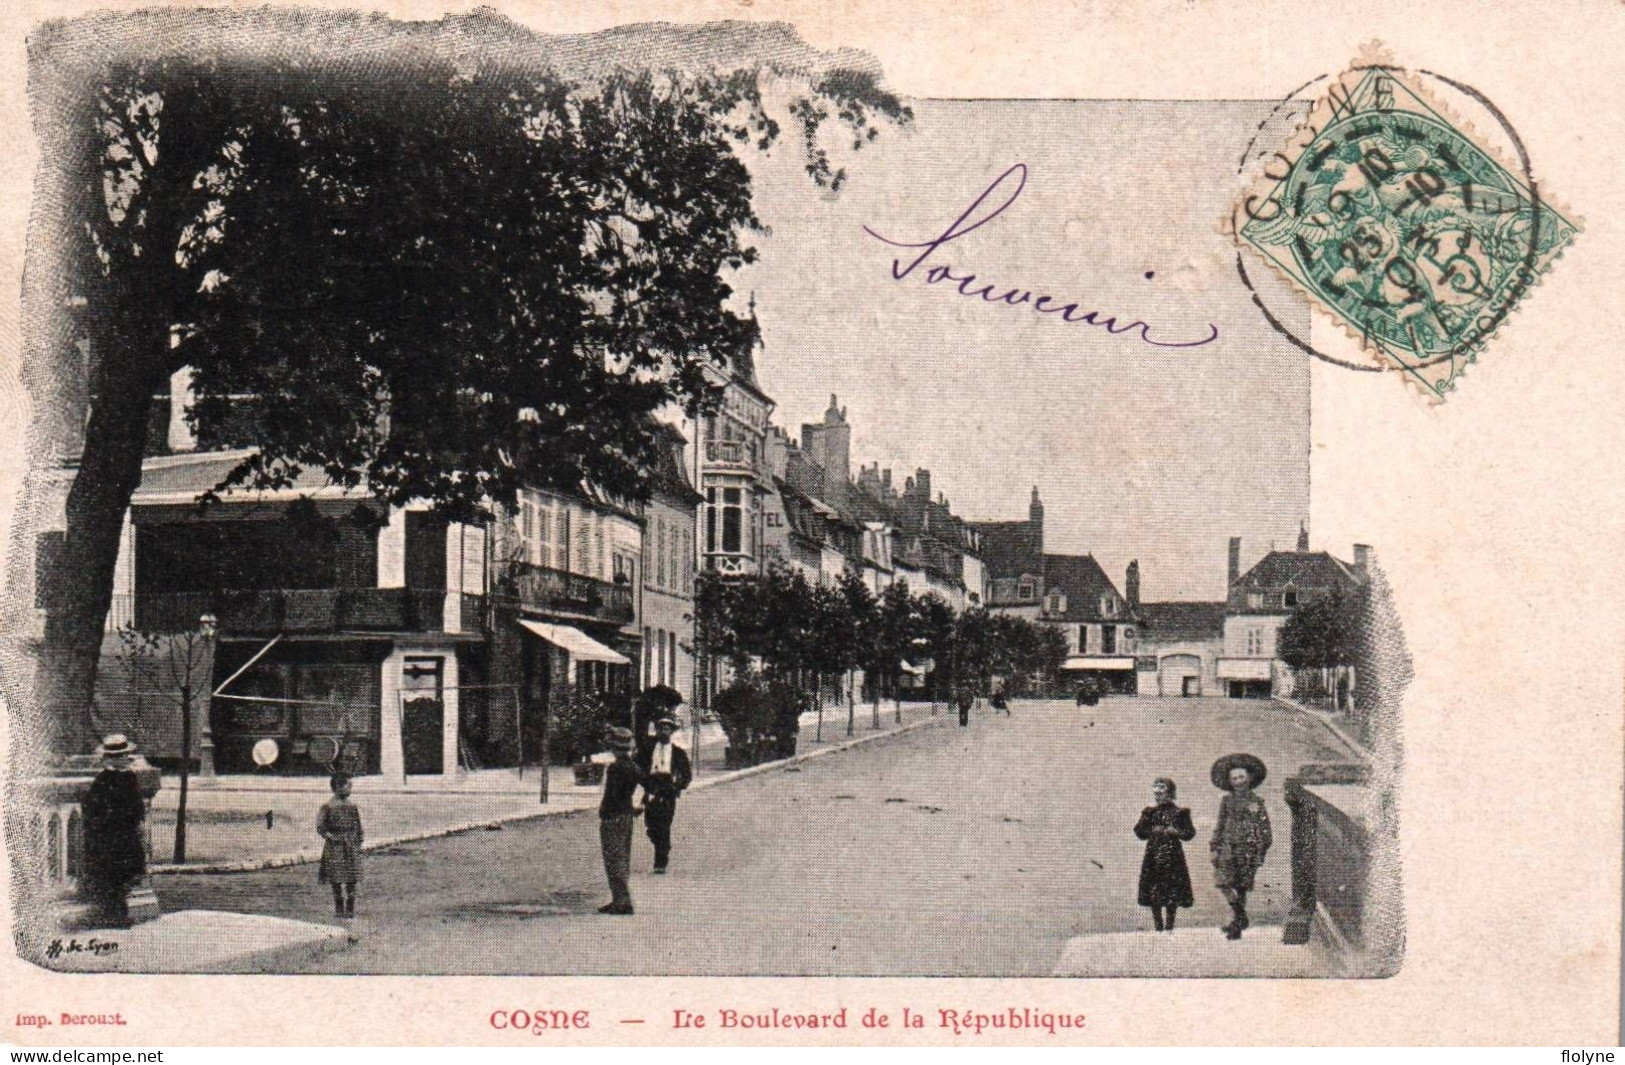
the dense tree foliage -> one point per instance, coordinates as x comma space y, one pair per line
436, 282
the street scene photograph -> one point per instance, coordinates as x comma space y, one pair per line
660, 503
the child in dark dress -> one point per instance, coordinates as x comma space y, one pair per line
339, 825
1165, 880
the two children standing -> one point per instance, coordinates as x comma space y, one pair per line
1241, 838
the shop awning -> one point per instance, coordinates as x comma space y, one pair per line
581, 647
1244, 669
1097, 662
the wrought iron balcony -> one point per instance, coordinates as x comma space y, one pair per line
740, 455
254, 612
549, 590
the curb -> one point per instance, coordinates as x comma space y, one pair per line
1359, 749
281, 861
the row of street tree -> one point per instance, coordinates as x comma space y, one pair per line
787, 642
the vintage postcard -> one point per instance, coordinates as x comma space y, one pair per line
761, 523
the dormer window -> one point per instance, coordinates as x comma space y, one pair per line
1027, 590
1289, 598
1108, 606
1056, 603
1255, 600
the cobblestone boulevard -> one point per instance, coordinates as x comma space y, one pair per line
943, 851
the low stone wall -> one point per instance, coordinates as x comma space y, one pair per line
1333, 841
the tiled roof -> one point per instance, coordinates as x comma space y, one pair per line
1083, 582
1304, 569
669, 475
799, 512
1179, 620
1009, 548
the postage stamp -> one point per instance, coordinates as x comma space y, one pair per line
1398, 219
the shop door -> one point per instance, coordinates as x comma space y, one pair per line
423, 713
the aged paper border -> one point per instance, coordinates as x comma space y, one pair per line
1495, 515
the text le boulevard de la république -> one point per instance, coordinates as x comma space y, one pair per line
961, 1022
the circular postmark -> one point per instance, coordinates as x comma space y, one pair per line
1386, 210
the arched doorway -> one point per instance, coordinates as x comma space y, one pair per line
1180, 674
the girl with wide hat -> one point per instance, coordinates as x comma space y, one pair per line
1241, 837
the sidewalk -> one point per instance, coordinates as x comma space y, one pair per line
242, 823
1334, 723
1195, 952
192, 941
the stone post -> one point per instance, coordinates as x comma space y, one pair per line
1305, 830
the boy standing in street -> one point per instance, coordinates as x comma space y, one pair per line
615, 814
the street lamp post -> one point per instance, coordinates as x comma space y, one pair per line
186, 769
206, 768
204, 634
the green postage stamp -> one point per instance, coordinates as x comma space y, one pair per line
1398, 219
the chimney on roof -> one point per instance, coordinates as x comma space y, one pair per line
1035, 520
776, 450
1235, 559
829, 445
922, 482
1303, 537
1131, 584
1362, 560
885, 477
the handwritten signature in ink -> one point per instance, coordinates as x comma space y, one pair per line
1015, 297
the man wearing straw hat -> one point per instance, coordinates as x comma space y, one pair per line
668, 772
115, 852
615, 814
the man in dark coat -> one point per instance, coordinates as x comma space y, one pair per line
668, 772
615, 814
115, 850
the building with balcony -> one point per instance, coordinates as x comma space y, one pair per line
566, 588
410, 644
734, 473
332, 625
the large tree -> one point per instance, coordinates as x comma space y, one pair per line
438, 280
1325, 634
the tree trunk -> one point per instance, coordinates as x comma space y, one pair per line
109, 473
851, 676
